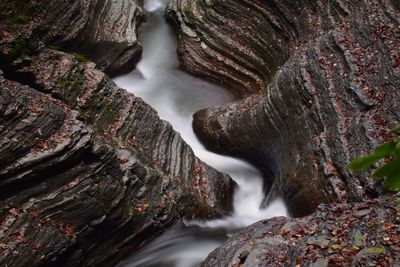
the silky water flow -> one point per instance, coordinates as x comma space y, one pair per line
176, 96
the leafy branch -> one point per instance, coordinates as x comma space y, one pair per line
390, 170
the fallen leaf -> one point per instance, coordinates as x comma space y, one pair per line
14, 211
33, 214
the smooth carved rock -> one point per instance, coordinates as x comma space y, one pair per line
332, 236
88, 172
334, 96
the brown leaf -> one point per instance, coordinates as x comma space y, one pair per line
33, 214
6, 35
122, 160
14, 211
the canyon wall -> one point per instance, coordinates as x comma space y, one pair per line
242, 44
323, 80
88, 172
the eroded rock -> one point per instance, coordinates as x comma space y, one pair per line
242, 44
333, 95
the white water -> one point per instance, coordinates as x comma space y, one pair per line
176, 96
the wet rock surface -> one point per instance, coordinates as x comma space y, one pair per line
88, 172
360, 234
333, 94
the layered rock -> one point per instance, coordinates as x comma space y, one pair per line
103, 31
332, 99
88, 172
363, 234
241, 44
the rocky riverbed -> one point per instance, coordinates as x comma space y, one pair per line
89, 173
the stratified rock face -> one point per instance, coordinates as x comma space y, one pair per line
241, 44
363, 234
332, 100
104, 31
88, 172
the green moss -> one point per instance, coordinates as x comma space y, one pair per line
358, 239
19, 48
80, 57
336, 246
18, 6
100, 112
376, 250
53, 47
107, 117
20, 19
70, 85
17, 14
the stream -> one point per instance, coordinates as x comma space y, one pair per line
176, 96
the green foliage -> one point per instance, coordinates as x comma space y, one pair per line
389, 153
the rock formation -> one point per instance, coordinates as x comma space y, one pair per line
88, 172
102, 31
317, 84
363, 234
324, 83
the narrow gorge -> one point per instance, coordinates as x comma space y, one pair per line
112, 112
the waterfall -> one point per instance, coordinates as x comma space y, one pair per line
176, 96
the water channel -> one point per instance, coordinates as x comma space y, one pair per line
176, 96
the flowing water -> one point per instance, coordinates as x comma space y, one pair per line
176, 96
